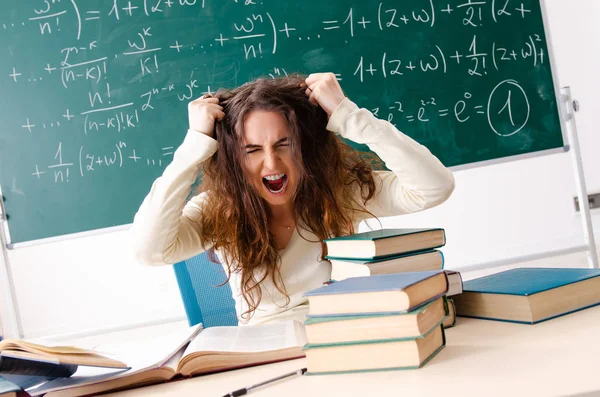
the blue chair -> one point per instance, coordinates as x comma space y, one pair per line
205, 300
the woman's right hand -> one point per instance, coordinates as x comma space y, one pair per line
203, 112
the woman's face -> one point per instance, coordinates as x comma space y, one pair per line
269, 160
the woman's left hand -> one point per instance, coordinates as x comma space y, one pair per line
324, 90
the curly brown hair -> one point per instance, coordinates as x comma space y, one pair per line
334, 182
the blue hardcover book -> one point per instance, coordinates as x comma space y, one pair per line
529, 295
8, 388
385, 293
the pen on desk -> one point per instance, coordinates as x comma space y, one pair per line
246, 390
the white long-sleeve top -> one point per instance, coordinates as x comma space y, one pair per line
165, 229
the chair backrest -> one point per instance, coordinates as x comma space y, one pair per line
205, 300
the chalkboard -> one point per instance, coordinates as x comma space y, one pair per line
94, 93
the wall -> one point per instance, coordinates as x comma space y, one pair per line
81, 285
496, 212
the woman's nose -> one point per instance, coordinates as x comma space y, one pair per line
270, 159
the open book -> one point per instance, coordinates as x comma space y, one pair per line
19, 357
189, 352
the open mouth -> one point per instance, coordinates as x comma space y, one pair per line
275, 183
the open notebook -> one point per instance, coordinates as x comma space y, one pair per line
189, 352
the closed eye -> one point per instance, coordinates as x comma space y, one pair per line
251, 148
283, 142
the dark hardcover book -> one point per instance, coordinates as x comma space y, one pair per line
450, 320
38, 367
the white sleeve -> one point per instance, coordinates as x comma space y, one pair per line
418, 180
165, 229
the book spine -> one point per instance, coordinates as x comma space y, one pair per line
450, 319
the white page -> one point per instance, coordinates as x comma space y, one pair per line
139, 355
255, 338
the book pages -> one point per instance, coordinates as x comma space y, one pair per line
256, 338
139, 355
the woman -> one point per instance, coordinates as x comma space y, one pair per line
276, 182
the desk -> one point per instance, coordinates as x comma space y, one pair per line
482, 358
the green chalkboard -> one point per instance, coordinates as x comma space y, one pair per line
93, 94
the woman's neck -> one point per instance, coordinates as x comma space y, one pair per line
282, 215
282, 224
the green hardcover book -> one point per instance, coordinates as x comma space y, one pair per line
342, 268
384, 242
338, 329
529, 295
385, 355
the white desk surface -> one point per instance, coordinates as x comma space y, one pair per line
559, 357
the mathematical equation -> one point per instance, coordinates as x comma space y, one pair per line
122, 66
508, 101
89, 161
475, 60
250, 32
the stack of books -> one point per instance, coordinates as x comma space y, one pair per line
380, 322
390, 251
